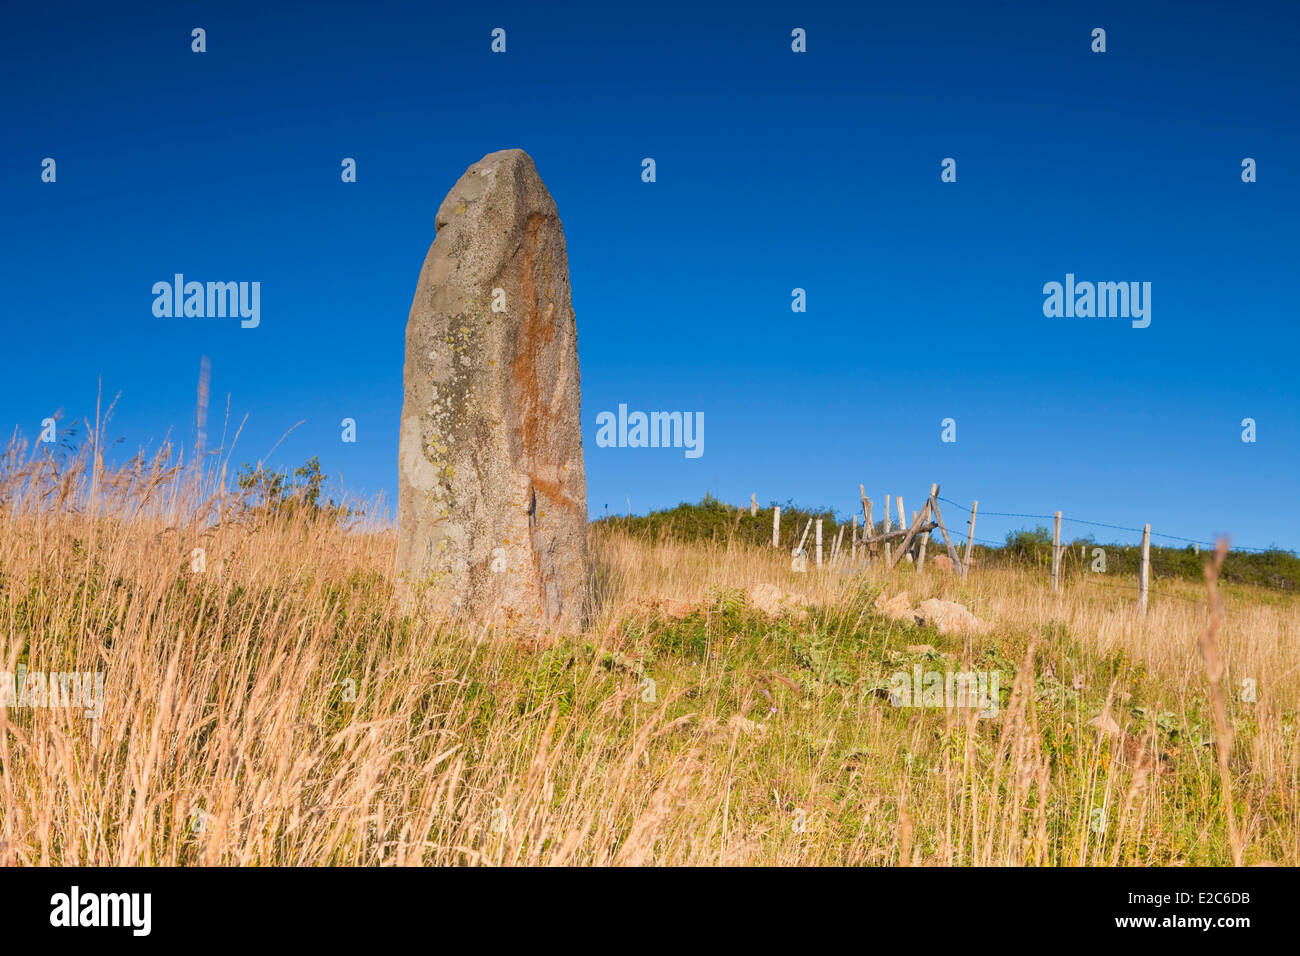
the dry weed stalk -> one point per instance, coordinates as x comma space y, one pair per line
1209, 645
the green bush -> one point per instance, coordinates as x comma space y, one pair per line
714, 520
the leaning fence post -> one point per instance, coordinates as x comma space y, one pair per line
937, 516
1056, 552
1144, 573
776, 527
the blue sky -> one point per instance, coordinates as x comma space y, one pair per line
775, 170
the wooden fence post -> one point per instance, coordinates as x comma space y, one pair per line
911, 533
1144, 573
839, 547
803, 538
1056, 552
854, 541
925, 541
819, 542
776, 527
753, 505
889, 562
970, 537
868, 528
943, 530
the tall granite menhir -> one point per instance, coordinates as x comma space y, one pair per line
492, 501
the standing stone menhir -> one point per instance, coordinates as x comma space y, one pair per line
492, 499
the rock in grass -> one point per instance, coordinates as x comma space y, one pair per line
948, 617
899, 608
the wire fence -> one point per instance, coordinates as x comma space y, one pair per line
1068, 555
1094, 524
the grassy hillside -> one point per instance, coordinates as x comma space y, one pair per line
272, 704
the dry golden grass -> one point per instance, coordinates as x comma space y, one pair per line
228, 736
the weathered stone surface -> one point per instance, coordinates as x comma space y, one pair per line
899, 607
774, 602
492, 503
949, 617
